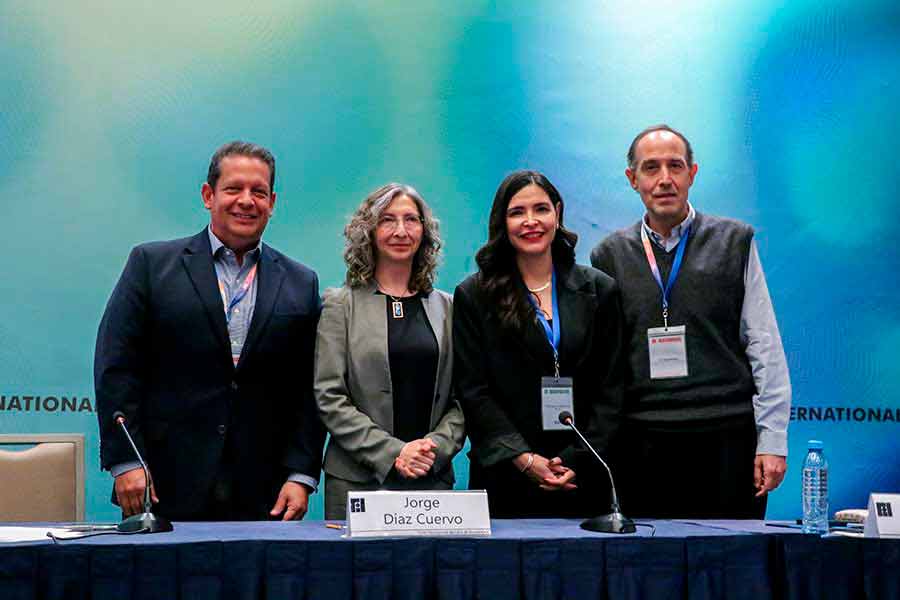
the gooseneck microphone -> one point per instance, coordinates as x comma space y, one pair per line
145, 522
615, 521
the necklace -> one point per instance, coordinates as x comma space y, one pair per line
540, 289
396, 303
396, 307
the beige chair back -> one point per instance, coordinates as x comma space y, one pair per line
45, 482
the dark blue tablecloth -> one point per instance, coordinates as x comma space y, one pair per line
522, 559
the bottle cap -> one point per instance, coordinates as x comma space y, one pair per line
815, 444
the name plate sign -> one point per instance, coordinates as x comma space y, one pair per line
387, 513
883, 520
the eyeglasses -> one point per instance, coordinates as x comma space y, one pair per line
391, 223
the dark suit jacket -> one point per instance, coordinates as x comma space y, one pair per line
497, 377
163, 359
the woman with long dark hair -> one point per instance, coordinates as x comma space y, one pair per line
535, 334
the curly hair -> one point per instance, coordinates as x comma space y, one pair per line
499, 274
360, 252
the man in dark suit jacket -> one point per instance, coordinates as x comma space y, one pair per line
206, 346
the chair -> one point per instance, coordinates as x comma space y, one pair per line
45, 482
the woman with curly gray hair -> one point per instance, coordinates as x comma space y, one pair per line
384, 356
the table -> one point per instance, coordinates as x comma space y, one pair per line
522, 559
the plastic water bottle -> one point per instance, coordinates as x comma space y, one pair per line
815, 490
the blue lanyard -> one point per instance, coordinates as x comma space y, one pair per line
673, 274
552, 333
242, 291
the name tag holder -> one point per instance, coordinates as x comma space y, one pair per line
666, 345
667, 348
557, 395
418, 513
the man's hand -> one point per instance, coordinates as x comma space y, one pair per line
768, 472
416, 458
130, 487
293, 501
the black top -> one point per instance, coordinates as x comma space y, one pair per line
497, 377
413, 358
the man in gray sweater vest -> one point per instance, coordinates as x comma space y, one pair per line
708, 392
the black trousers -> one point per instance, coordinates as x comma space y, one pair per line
701, 470
222, 503
227, 500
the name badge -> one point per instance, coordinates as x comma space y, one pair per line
389, 514
883, 520
557, 395
668, 352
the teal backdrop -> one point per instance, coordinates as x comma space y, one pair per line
109, 112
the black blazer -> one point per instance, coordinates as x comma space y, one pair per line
163, 359
497, 375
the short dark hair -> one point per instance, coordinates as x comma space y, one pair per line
689, 152
239, 148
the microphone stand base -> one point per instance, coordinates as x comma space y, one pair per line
614, 522
144, 523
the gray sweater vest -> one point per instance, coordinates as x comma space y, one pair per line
707, 298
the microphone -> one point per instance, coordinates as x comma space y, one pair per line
615, 521
145, 522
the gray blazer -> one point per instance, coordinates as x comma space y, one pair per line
353, 385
